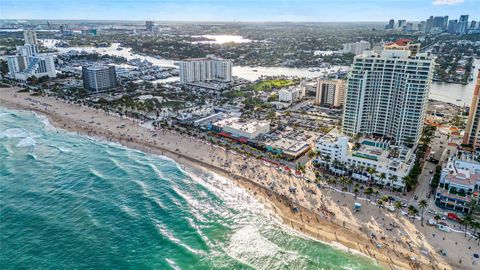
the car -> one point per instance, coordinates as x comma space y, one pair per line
431, 171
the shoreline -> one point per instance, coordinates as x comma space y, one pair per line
307, 222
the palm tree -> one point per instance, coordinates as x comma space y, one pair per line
467, 220
342, 180
379, 203
405, 180
371, 171
422, 205
393, 178
355, 191
412, 211
398, 206
349, 183
383, 176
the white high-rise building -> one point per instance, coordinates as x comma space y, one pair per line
387, 93
30, 37
356, 47
28, 62
205, 69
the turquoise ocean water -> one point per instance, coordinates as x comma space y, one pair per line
71, 202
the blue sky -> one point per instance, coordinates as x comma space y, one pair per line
237, 10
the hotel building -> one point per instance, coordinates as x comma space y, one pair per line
99, 78
472, 130
205, 70
387, 93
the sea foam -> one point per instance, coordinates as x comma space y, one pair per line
26, 142
14, 133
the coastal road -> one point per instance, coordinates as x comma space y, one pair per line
438, 145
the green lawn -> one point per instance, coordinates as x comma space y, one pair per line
268, 85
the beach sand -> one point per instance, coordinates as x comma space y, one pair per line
324, 214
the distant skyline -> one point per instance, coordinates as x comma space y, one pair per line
237, 10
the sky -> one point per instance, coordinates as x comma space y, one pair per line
237, 10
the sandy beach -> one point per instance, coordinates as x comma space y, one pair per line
324, 214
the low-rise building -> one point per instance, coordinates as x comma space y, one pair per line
291, 94
287, 148
459, 182
237, 127
390, 163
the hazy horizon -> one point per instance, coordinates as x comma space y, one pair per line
237, 11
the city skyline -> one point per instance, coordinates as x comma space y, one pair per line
245, 10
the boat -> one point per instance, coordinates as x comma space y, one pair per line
254, 70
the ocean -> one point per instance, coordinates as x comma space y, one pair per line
73, 202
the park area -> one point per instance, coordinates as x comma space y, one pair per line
271, 84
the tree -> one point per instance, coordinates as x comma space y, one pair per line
379, 203
467, 220
422, 205
355, 191
412, 211
383, 176
437, 217
393, 178
398, 206
371, 172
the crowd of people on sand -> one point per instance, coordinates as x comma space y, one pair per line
322, 207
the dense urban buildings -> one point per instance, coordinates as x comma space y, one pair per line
205, 70
472, 130
29, 62
387, 93
99, 78
330, 92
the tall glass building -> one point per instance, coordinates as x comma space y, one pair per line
387, 93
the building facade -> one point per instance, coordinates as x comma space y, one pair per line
472, 130
330, 92
99, 78
30, 37
387, 94
205, 70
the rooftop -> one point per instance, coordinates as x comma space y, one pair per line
465, 178
246, 126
